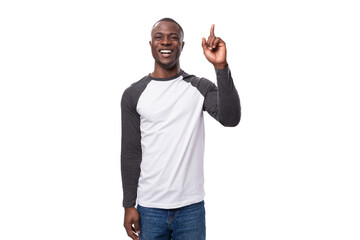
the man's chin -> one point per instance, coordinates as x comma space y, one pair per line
167, 65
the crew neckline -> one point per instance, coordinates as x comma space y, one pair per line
168, 78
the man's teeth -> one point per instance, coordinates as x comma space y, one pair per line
166, 51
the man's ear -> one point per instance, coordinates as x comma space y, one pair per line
150, 43
182, 45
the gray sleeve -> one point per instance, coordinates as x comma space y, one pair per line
131, 153
222, 102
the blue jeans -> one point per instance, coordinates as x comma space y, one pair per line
185, 223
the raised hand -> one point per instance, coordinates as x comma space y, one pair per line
215, 50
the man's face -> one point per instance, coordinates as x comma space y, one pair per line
166, 44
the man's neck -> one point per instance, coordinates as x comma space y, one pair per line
160, 72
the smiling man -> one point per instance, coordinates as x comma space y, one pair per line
162, 143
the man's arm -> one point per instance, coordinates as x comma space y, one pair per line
130, 161
131, 153
222, 101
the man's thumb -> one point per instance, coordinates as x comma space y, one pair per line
137, 227
203, 43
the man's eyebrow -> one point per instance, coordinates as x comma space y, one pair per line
168, 34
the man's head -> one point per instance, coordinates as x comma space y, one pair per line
166, 42
170, 20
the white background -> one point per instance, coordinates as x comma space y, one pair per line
289, 170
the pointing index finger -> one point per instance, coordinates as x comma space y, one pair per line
212, 30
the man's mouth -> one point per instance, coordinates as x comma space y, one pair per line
166, 52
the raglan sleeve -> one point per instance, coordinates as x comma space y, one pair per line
131, 153
222, 102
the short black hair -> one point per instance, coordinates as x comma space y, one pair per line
170, 20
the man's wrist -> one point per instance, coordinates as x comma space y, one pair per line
129, 207
220, 65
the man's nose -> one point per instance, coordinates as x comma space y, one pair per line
165, 41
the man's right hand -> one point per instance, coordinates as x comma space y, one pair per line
132, 218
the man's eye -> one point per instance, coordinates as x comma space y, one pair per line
157, 37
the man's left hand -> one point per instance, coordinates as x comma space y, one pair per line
215, 50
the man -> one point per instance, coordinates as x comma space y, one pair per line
162, 144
